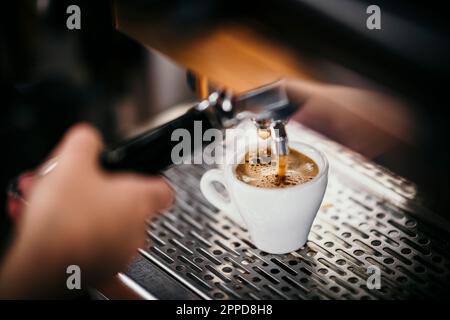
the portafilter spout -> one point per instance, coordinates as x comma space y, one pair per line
270, 109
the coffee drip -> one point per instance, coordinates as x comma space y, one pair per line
281, 159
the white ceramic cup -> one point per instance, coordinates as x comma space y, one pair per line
278, 219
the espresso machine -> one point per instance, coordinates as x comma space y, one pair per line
370, 216
267, 107
242, 55
236, 48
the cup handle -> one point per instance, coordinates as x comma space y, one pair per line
211, 193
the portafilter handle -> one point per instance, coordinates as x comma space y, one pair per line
151, 151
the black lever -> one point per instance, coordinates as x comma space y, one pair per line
150, 152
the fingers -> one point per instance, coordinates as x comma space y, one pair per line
131, 192
82, 144
300, 91
160, 194
150, 194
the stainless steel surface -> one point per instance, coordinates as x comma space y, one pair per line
265, 105
368, 217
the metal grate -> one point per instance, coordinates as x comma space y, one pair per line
363, 221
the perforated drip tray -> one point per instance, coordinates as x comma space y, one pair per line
369, 217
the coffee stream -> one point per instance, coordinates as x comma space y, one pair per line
281, 161
282, 167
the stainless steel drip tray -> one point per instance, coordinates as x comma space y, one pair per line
369, 217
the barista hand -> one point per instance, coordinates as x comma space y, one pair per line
79, 215
382, 122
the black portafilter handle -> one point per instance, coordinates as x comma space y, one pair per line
150, 152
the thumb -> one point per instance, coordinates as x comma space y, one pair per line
154, 194
160, 193
82, 144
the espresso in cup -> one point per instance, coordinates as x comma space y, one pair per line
262, 170
278, 214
